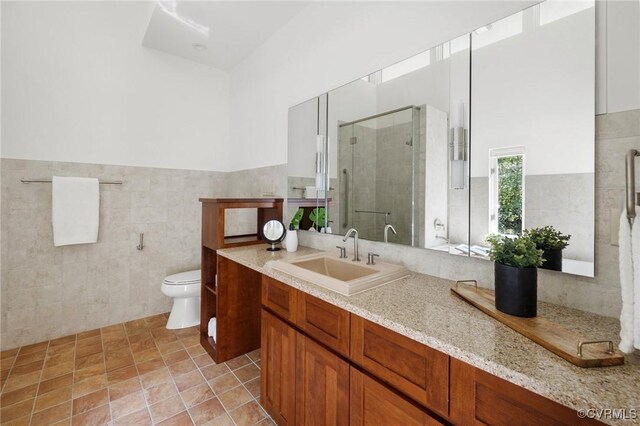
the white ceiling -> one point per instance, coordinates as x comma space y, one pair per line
230, 30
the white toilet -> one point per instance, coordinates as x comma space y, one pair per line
184, 288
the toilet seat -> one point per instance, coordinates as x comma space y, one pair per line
183, 278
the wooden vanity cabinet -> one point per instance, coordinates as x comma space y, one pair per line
373, 403
416, 370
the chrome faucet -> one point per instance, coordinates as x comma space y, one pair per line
356, 257
386, 232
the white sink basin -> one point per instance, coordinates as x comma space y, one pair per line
340, 275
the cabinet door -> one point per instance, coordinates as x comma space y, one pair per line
280, 298
326, 323
322, 385
372, 403
479, 398
277, 382
420, 372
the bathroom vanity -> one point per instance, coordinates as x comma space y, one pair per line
409, 352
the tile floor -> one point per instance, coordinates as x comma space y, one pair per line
136, 373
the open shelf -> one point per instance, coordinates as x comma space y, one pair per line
229, 292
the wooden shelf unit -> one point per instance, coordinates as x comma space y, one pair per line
232, 296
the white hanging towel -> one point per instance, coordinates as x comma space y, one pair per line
635, 255
626, 285
75, 212
212, 328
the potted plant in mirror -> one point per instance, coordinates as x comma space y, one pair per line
516, 261
551, 242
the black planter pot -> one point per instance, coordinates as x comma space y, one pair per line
552, 259
516, 290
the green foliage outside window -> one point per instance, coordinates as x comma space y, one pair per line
510, 195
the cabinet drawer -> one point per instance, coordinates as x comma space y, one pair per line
372, 403
279, 297
414, 369
325, 322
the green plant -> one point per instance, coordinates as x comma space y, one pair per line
548, 238
317, 216
297, 218
510, 195
520, 252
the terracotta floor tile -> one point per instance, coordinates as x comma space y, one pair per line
95, 417
53, 384
139, 418
36, 347
87, 334
197, 394
257, 363
90, 401
223, 383
238, 362
62, 341
196, 350
89, 360
21, 381
127, 405
9, 353
223, 420
57, 370
62, 349
53, 398
56, 359
206, 411
85, 373
159, 392
147, 355
140, 336
203, 360
112, 346
121, 389
17, 410
22, 421
89, 341
19, 395
167, 348
155, 377
246, 373
27, 368
117, 363
181, 419
189, 380
52, 415
254, 355
89, 385
112, 329
89, 350
182, 367
7, 363
248, 414
253, 386
177, 356
28, 358
148, 366
266, 422
122, 374
164, 409
168, 338
143, 345
234, 398
190, 340
215, 370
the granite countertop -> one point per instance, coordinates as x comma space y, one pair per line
422, 307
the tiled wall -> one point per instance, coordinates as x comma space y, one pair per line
50, 292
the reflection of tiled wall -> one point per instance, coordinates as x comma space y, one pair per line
49, 291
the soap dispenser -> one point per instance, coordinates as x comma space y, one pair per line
292, 239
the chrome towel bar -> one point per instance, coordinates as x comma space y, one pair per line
102, 182
630, 171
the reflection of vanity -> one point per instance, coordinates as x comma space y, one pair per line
491, 132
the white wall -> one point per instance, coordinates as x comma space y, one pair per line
327, 45
78, 86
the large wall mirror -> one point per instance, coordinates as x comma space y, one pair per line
492, 132
532, 130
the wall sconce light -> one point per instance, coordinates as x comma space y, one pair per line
457, 147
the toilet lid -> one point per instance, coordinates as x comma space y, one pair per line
183, 278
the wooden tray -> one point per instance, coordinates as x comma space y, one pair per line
559, 340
